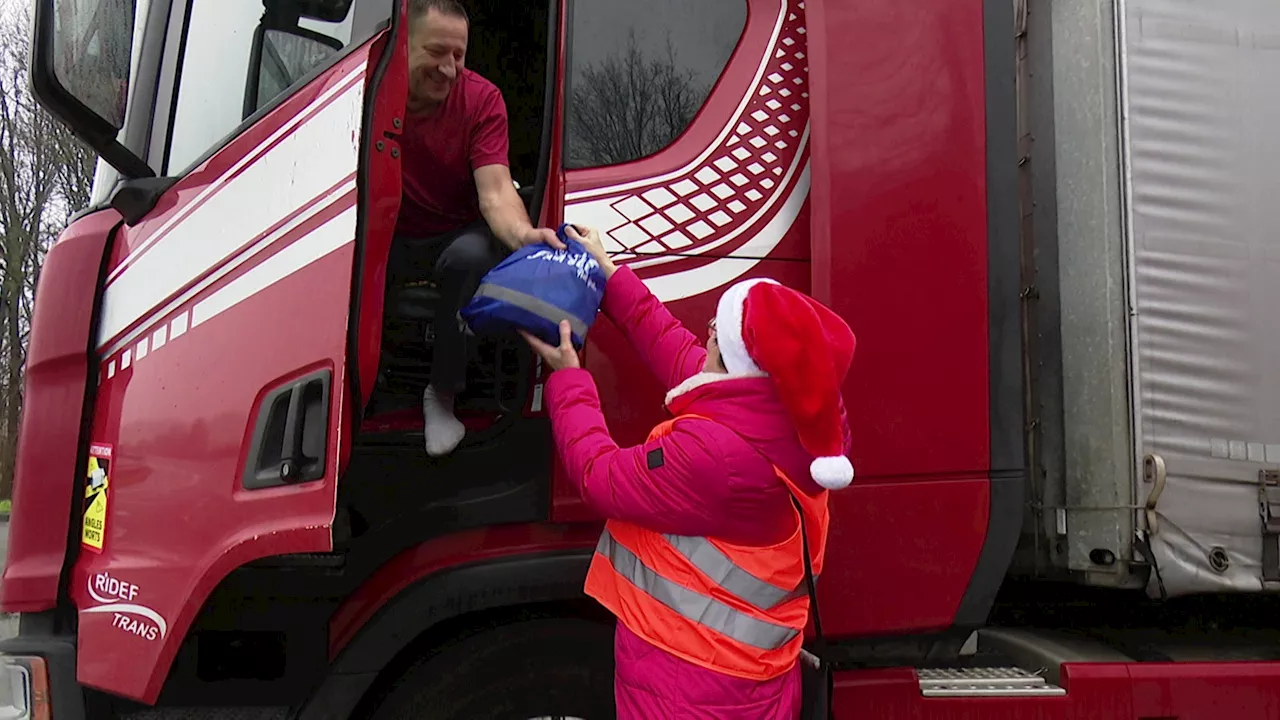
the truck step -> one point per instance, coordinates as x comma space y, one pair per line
984, 682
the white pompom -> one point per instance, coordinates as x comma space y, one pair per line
832, 473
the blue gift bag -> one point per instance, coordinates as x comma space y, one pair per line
535, 288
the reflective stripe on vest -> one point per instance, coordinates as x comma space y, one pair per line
735, 609
716, 565
692, 605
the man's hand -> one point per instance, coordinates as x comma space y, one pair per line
558, 358
546, 236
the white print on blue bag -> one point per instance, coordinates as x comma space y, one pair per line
580, 260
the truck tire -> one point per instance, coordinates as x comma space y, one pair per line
554, 667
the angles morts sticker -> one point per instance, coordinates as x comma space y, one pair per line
97, 481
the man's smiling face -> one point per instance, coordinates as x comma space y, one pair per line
437, 54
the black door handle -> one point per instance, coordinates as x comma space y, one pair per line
291, 434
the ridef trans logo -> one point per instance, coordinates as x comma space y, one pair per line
118, 598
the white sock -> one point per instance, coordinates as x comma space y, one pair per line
442, 430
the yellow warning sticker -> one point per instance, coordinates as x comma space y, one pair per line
96, 482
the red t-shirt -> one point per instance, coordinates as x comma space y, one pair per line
440, 153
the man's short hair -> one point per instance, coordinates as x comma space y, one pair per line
420, 8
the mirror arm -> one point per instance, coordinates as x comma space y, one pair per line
135, 199
122, 159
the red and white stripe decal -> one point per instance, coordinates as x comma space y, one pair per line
330, 226
740, 196
304, 169
323, 100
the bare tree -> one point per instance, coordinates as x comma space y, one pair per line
45, 176
628, 107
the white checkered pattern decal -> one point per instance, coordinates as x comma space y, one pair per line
707, 203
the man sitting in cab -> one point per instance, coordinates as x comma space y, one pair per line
460, 212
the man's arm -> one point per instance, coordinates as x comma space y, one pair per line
504, 211
500, 204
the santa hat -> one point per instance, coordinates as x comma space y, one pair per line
765, 327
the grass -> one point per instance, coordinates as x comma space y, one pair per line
5, 505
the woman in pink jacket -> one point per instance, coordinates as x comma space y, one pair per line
761, 403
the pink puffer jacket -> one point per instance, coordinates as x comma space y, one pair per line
717, 481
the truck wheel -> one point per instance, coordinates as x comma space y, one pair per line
556, 668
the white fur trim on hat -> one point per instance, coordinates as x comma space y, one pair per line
729, 314
832, 473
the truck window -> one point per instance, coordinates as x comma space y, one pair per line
639, 72
217, 62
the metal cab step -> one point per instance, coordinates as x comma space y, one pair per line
984, 682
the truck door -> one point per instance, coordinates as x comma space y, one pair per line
685, 141
916, 243
222, 335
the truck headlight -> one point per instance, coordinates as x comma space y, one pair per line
24, 688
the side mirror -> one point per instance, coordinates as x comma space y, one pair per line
281, 57
81, 57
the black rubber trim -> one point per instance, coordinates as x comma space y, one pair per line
180, 61
59, 652
568, 51
1008, 449
65, 614
549, 107
155, 24
364, 201
506, 582
254, 81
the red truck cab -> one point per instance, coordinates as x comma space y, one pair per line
222, 499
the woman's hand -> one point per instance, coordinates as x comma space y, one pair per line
595, 246
558, 358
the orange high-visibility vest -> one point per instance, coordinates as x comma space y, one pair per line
736, 609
